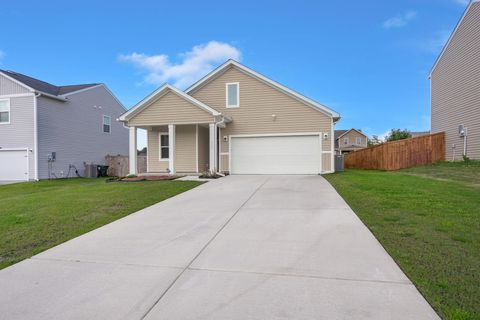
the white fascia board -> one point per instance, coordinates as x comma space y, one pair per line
451, 36
147, 100
60, 98
17, 82
31, 89
268, 81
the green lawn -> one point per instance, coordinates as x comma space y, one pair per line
35, 216
428, 219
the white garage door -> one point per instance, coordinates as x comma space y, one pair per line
13, 165
276, 155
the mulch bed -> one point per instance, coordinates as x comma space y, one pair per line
145, 178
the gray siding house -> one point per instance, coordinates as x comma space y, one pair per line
455, 88
49, 131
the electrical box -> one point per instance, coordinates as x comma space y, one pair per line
52, 156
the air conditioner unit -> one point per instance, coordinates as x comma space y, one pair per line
461, 130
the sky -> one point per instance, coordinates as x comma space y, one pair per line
368, 60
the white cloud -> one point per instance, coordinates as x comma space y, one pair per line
400, 21
194, 64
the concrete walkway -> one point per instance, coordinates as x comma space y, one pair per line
242, 247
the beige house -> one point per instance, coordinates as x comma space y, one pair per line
349, 140
455, 88
234, 120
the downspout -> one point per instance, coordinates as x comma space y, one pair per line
217, 145
35, 134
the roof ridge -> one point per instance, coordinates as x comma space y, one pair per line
41, 85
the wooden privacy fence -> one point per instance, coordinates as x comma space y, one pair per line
118, 166
399, 154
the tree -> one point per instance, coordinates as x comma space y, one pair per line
374, 141
397, 134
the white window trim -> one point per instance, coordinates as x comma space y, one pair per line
103, 124
358, 140
346, 141
160, 134
9, 111
238, 94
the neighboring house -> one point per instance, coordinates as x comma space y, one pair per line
349, 140
455, 88
233, 120
45, 129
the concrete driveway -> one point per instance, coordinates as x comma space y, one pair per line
242, 247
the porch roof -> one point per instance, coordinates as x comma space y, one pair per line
157, 94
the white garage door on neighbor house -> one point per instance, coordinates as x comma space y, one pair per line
293, 154
14, 164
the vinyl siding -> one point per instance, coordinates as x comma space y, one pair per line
258, 102
455, 88
19, 133
153, 146
185, 148
327, 161
170, 109
203, 148
8, 86
74, 130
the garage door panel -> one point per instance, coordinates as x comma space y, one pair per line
276, 155
13, 165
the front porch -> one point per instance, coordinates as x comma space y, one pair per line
177, 148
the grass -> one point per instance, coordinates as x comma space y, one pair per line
35, 216
428, 219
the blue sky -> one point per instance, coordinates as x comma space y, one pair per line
368, 60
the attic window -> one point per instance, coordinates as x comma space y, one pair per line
233, 95
5, 111
358, 140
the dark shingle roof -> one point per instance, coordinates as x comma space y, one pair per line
338, 133
46, 87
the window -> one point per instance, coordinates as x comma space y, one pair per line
107, 121
164, 146
358, 140
5, 111
233, 95
345, 140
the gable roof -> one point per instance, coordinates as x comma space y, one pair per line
45, 87
312, 103
158, 93
340, 133
472, 2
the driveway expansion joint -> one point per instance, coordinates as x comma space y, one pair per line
296, 275
203, 248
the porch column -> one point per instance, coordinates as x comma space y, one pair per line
132, 151
171, 148
213, 147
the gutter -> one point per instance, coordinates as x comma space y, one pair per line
40, 93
